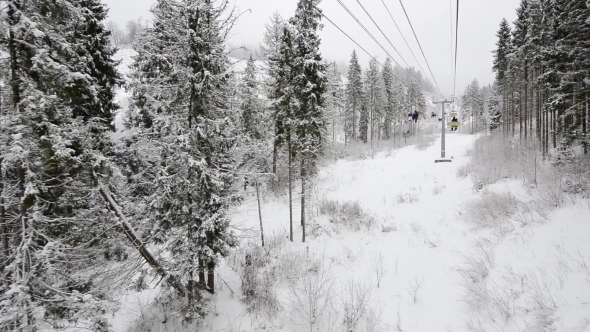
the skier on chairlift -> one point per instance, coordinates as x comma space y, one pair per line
453, 128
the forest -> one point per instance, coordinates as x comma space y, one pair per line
85, 215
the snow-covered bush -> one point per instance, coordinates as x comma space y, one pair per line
260, 270
492, 209
311, 293
349, 213
403, 198
354, 300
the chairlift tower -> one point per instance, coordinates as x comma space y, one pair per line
443, 125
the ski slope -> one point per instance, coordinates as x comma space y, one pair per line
534, 278
406, 191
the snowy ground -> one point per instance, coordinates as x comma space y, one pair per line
438, 268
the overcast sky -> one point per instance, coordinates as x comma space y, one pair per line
478, 23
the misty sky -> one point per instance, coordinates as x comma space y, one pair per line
478, 23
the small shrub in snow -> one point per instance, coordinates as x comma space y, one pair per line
378, 267
258, 283
551, 187
463, 171
311, 293
372, 319
385, 228
433, 240
406, 198
348, 213
530, 213
438, 189
354, 301
414, 288
492, 209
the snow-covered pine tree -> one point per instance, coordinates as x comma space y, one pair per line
57, 111
521, 63
284, 105
473, 102
250, 103
178, 83
494, 108
309, 84
500, 67
573, 46
390, 99
255, 142
334, 96
271, 49
401, 108
90, 37
374, 98
364, 116
354, 90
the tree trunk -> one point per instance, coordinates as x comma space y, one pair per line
275, 152
138, 243
4, 241
554, 128
202, 280
290, 188
211, 278
303, 175
353, 124
526, 99
586, 123
259, 213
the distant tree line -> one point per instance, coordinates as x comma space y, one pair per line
128, 34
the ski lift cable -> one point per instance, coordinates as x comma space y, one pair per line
377, 42
451, 21
366, 30
420, 46
362, 48
378, 27
404, 37
456, 42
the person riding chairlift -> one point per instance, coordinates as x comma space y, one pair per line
454, 119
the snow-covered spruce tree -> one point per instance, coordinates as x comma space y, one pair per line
284, 105
58, 108
473, 103
254, 147
309, 85
93, 40
400, 110
521, 63
334, 96
494, 108
374, 98
416, 98
354, 90
250, 103
501, 55
364, 117
573, 46
271, 48
390, 99
179, 105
